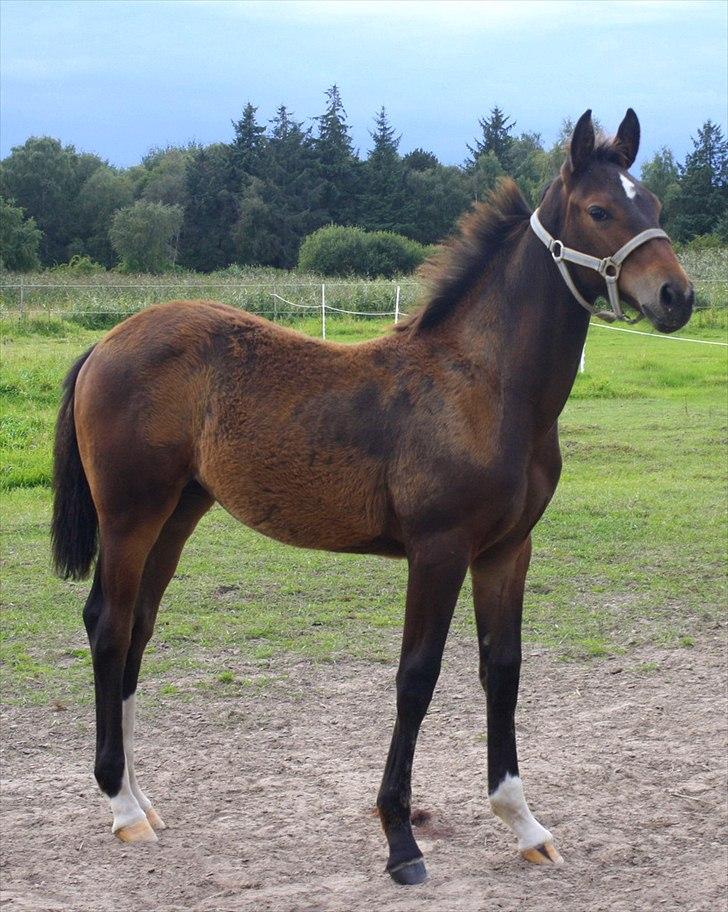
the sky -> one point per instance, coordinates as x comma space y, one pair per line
118, 77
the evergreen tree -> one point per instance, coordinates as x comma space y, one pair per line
419, 160
703, 200
495, 137
206, 241
248, 145
279, 209
338, 171
381, 201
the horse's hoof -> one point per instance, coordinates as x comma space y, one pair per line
544, 854
411, 872
141, 831
155, 820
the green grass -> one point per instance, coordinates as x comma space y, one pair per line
631, 551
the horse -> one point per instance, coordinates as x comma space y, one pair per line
437, 443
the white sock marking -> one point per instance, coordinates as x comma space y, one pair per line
128, 718
629, 187
130, 804
509, 803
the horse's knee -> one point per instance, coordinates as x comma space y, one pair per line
415, 685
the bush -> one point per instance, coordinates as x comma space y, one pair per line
340, 251
79, 265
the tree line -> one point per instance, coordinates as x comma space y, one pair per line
253, 200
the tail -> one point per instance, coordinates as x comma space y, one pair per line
74, 529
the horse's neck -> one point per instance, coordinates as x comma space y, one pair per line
530, 329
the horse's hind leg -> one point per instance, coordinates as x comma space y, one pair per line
125, 543
158, 571
498, 584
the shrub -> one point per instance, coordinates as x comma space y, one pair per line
342, 251
79, 266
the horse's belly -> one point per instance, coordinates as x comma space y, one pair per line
305, 509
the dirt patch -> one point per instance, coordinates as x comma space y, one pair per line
269, 794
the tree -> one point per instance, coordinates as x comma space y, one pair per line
529, 166
484, 174
661, 175
206, 240
495, 137
419, 160
381, 200
40, 176
163, 176
145, 236
19, 239
248, 146
104, 193
337, 165
435, 198
703, 199
278, 210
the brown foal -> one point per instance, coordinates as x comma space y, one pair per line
437, 443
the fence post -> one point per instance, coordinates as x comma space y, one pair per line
582, 360
323, 310
22, 298
396, 307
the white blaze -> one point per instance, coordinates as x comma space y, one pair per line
508, 803
629, 187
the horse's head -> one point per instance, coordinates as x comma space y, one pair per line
597, 207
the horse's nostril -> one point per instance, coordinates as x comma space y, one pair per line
667, 295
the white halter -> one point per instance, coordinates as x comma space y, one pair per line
609, 268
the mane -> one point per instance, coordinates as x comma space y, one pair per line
609, 149
460, 260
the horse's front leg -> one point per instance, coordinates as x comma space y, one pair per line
498, 584
436, 573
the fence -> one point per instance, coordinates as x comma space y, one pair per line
381, 294
273, 300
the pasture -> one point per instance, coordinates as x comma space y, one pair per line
278, 666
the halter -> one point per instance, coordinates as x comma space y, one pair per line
609, 268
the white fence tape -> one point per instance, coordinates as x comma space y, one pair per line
637, 332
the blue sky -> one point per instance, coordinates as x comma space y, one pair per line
116, 77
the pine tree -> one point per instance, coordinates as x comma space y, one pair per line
278, 209
382, 200
248, 144
495, 137
337, 164
703, 200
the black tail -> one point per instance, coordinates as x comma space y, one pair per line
74, 530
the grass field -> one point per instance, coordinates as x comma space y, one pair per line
632, 549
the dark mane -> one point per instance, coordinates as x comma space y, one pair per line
459, 262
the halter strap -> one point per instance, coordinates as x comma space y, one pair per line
609, 267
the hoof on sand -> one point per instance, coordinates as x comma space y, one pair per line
140, 831
411, 872
155, 820
544, 854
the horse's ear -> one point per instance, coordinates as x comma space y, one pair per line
627, 140
582, 143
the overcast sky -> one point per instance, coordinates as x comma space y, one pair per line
117, 77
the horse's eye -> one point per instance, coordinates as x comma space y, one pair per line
598, 214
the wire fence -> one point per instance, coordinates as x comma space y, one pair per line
380, 299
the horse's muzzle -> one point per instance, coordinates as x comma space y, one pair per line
673, 307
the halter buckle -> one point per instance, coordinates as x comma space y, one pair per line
558, 256
609, 270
